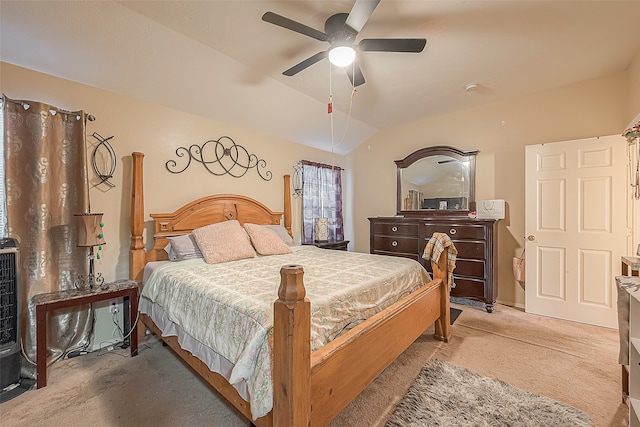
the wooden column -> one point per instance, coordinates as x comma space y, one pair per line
443, 324
292, 351
137, 252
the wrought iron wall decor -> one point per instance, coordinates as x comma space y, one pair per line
110, 160
221, 157
296, 181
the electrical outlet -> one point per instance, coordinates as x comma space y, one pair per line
113, 307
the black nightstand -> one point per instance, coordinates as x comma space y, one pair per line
338, 245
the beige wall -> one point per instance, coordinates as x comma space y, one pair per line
500, 131
157, 132
634, 87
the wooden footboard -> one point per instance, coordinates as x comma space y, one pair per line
330, 377
346, 366
334, 375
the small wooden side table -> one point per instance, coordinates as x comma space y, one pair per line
338, 245
45, 303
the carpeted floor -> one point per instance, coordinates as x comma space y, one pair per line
447, 395
569, 362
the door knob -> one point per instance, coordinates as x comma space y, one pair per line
531, 237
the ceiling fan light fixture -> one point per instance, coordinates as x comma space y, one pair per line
341, 56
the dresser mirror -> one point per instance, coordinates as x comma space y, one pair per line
436, 180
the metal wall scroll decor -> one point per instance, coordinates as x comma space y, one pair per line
221, 157
108, 155
296, 180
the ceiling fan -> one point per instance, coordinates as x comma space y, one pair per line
340, 30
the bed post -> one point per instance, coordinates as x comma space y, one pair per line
137, 252
291, 351
287, 204
440, 271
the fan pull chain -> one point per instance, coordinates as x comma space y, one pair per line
330, 106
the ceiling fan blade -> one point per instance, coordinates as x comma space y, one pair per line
292, 25
392, 45
306, 63
355, 71
360, 13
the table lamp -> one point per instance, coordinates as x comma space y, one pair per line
90, 235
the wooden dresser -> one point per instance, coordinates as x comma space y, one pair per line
475, 239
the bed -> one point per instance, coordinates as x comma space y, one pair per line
340, 367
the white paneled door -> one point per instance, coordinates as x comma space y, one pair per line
576, 228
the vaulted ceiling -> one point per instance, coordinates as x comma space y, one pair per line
219, 59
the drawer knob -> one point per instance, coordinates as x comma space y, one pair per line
394, 243
394, 228
452, 231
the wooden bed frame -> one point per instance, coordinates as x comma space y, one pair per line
309, 389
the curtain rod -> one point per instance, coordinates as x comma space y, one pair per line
26, 106
320, 165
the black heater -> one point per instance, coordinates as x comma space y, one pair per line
9, 316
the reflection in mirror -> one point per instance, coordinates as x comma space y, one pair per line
436, 179
438, 182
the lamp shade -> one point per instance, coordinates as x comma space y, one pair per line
90, 229
321, 229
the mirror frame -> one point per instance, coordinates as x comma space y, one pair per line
460, 155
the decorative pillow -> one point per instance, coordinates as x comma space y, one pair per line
280, 231
266, 241
184, 247
223, 241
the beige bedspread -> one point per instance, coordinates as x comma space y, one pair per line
229, 306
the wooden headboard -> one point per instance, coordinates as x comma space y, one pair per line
201, 212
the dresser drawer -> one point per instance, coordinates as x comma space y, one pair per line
471, 250
475, 232
470, 268
396, 244
468, 288
396, 229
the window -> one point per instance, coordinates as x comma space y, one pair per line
321, 198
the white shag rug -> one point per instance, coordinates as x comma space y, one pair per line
447, 395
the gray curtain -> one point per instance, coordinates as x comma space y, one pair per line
321, 198
46, 184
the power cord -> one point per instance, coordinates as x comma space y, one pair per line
124, 337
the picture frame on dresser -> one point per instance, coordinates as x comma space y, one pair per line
425, 179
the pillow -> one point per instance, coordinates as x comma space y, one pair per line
223, 241
170, 252
266, 240
280, 231
184, 247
